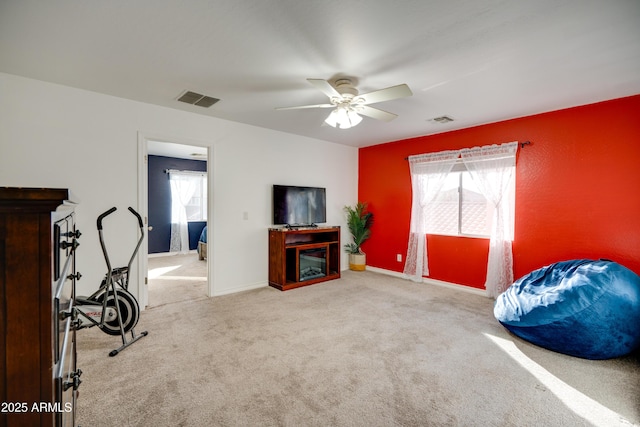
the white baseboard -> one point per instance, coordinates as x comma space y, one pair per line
455, 286
163, 254
249, 287
387, 272
429, 281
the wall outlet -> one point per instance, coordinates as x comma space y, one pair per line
245, 216
399, 257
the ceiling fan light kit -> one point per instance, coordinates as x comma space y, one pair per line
348, 104
343, 118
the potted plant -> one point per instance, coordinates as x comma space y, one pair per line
359, 222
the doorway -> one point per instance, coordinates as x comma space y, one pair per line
167, 276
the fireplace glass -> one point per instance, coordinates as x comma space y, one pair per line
313, 263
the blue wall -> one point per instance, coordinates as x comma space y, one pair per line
160, 202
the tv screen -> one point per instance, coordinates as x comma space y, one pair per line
299, 206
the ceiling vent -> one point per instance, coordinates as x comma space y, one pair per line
441, 119
198, 99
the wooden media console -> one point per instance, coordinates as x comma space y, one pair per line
303, 256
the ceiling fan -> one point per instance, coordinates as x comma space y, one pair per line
348, 104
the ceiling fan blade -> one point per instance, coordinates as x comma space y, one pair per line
393, 92
324, 87
376, 113
306, 106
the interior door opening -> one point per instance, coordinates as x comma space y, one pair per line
175, 273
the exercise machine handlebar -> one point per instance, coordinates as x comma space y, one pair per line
101, 217
137, 216
135, 251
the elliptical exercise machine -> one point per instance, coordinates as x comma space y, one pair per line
112, 308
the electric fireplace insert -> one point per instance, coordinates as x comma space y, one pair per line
313, 263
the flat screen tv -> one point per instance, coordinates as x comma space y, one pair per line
299, 206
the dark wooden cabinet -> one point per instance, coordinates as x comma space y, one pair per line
303, 256
39, 377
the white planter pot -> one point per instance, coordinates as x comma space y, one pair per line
357, 262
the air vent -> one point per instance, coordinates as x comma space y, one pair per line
441, 119
198, 99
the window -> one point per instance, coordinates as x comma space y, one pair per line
460, 208
196, 207
446, 201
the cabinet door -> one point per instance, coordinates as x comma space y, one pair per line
67, 380
66, 375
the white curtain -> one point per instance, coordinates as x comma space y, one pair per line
428, 174
183, 187
493, 169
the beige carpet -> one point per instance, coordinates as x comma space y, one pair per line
176, 278
364, 350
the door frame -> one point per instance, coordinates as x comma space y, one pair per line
143, 199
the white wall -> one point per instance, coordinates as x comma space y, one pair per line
57, 136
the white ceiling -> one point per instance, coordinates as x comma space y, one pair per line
181, 151
477, 61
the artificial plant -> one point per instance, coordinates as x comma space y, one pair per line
359, 222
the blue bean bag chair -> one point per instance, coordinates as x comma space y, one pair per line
584, 308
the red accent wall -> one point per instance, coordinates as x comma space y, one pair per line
577, 192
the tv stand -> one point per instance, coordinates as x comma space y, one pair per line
303, 256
